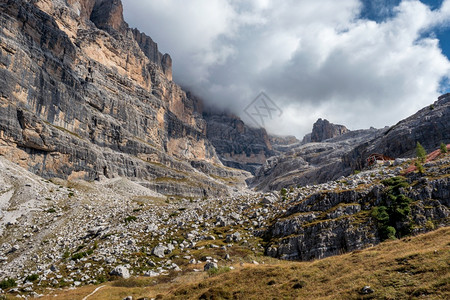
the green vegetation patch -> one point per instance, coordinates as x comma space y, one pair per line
32, 278
7, 284
421, 153
394, 215
130, 219
443, 148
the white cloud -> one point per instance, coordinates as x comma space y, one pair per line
314, 58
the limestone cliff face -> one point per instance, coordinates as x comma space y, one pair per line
238, 145
324, 130
80, 98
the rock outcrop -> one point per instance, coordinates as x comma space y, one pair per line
81, 97
108, 15
324, 130
238, 145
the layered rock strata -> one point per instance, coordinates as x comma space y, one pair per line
82, 97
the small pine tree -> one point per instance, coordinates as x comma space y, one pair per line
443, 148
419, 167
421, 153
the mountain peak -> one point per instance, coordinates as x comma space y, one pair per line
108, 14
324, 130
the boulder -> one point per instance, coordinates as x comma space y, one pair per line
121, 271
160, 251
210, 265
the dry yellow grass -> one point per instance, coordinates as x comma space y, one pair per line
414, 267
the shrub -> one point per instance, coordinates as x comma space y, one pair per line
100, 278
420, 152
7, 283
80, 247
283, 192
380, 214
419, 167
216, 293
390, 232
443, 148
130, 219
299, 285
32, 277
77, 256
429, 225
80, 255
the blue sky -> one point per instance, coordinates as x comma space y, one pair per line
371, 10
381, 10
346, 61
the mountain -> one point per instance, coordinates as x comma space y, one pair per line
110, 171
86, 97
429, 126
319, 162
309, 163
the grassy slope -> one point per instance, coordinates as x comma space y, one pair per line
414, 267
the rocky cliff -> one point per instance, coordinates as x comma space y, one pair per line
430, 126
237, 144
84, 96
324, 130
